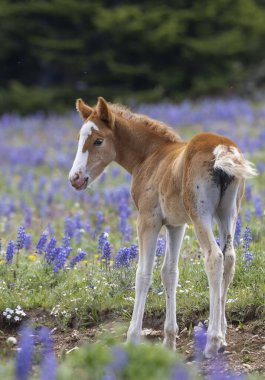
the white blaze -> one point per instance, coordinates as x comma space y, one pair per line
81, 157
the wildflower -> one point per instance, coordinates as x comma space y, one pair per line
28, 242
66, 240
102, 239
122, 258
248, 192
32, 257
10, 251
24, 354
160, 247
199, 340
21, 237
120, 359
42, 242
60, 258
133, 251
49, 249
69, 227
248, 215
106, 254
238, 230
179, 372
258, 207
79, 257
248, 255
100, 220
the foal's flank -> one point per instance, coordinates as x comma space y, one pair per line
174, 182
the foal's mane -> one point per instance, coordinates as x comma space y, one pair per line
157, 127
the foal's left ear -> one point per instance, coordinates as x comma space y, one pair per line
104, 112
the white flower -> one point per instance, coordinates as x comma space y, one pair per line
8, 316
18, 307
17, 318
11, 340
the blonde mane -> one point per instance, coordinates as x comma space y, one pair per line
157, 127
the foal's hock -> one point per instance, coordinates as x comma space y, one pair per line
174, 182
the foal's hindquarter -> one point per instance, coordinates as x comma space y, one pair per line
178, 184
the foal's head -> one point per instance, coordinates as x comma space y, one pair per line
95, 143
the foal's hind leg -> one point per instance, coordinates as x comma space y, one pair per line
226, 217
169, 274
201, 202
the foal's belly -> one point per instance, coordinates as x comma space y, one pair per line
174, 212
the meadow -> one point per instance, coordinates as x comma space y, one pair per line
68, 259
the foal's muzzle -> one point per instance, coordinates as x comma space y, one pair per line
78, 181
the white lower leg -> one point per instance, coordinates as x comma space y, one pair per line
229, 269
214, 269
142, 285
170, 327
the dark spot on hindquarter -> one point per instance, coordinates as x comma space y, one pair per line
220, 178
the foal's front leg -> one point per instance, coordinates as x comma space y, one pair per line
148, 230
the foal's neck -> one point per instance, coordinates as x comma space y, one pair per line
135, 143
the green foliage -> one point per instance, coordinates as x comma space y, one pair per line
54, 51
144, 362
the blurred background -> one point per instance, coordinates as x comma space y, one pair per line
53, 51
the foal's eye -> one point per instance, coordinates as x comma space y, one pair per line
98, 142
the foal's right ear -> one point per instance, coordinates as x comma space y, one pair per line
84, 110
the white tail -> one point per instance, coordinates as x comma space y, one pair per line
232, 162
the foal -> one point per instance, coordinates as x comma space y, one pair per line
173, 183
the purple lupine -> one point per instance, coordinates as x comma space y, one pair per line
66, 241
51, 254
199, 337
28, 242
48, 363
24, 354
248, 192
42, 242
133, 251
102, 239
238, 230
69, 226
248, 254
119, 361
160, 247
10, 251
248, 215
122, 258
76, 259
20, 237
28, 217
258, 207
60, 259
100, 220
106, 252
179, 373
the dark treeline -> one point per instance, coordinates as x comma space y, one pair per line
53, 51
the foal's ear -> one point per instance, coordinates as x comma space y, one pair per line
84, 110
104, 112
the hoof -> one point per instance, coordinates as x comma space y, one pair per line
170, 343
214, 346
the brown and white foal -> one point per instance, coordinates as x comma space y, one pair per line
174, 182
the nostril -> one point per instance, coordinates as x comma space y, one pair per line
76, 177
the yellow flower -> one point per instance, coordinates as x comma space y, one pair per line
85, 261
32, 257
